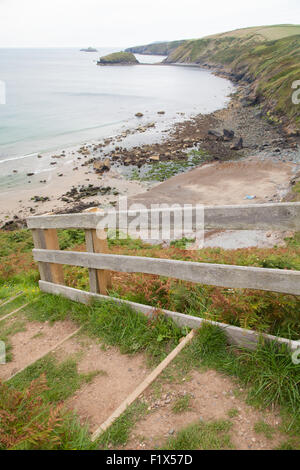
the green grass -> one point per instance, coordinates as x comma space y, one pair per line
11, 306
115, 324
261, 427
7, 330
268, 56
233, 413
296, 191
182, 404
118, 434
212, 435
271, 32
270, 377
62, 378
157, 48
119, 325
272, 313
183, 243
290, 444
6, 292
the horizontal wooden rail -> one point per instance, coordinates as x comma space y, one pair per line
281, 216
235, 335
276, 280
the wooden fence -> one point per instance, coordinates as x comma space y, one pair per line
284, 216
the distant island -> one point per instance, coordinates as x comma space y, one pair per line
89, 49
118, 58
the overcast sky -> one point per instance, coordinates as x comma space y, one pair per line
122, 23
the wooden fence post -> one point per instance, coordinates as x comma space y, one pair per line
47, 239
100, 280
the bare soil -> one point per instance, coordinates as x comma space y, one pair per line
222, 183
212, 397
212, 394
118, 375
36, 340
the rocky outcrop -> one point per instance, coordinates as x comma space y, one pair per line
101, 166
118, 58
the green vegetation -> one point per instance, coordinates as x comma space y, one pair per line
261, 427
30, 422
7, 330
182, 404
268, 33
157, 48
233, 413
13, 305
162, 171
202, 436
268, 376
122, 58
268, 56
268, 373
272, 313
119, 432
31, 411
115, 324
62, 378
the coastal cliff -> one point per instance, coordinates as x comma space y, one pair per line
266, 58
156, 48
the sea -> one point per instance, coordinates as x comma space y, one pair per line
58, 98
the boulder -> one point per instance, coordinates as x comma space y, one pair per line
215, 134
100, 166
228, 134
238, 145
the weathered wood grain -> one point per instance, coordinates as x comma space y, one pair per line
275, 280
48, 239
235, 335
279, 216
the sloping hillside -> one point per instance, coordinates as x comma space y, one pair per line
267, 33
272, 66
157, 48
267, 57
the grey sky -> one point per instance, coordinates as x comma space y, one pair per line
42, 23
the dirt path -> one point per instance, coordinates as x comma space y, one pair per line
213, 397
118, 375
32, 342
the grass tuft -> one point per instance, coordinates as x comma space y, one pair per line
182, 404
62, 378
261, 427
202, 436
119, 432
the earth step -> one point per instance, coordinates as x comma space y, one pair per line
11, 299
46, 353
142, 387
15, 311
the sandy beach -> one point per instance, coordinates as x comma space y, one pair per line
263, 167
